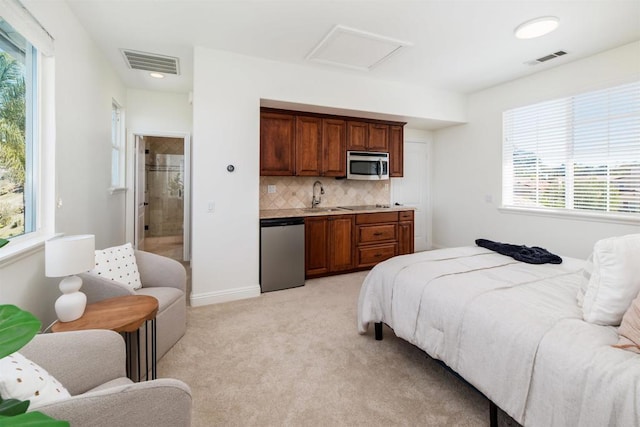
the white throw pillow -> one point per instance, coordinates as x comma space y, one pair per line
118, 264
615, 279
23, 379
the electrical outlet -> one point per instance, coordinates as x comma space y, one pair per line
271, 189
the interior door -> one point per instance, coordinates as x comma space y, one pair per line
413, 190
140, 192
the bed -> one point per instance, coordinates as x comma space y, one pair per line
512, 330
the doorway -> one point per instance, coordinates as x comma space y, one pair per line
162, 195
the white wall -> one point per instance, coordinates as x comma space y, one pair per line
84, 87
226, 125
158, 112
468, 162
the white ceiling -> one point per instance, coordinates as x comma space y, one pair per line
463, 46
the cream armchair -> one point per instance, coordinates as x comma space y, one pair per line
162, 278
91, 365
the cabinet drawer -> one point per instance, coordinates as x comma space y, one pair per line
376, 233
372, 218
371, 255
406, 215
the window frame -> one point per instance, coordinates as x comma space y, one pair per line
40, 146
118, 149
508, 205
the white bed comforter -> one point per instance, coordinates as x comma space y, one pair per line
513, 330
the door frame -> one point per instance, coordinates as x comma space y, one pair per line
425, 139
131, 207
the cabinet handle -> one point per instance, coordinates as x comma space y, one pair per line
377, 255
377, 233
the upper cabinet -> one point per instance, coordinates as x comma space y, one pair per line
357, 135
366, 136
334, 147
396, 151
378, 137
308, 144
277, 137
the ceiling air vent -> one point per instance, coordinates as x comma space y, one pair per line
151, 62
546, 58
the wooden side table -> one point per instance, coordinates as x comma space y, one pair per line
124, 314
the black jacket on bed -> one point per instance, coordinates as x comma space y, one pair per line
530, 255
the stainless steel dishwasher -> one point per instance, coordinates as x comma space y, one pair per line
281, 253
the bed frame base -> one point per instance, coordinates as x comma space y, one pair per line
493, 408
378, 330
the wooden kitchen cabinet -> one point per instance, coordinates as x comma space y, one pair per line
366, 136
316, 246
350, 242
277, 144
296, 143
396, 151
377, 238
320, 147
308, 146
405, 232
329, 244
357, 135
378, 138
334, 147
341, 253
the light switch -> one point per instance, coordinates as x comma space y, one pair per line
211, 206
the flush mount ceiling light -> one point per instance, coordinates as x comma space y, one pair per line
537, 27
157, 75
355, 49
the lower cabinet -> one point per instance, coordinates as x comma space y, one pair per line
341, 243
377, 237
405, 233
329, 244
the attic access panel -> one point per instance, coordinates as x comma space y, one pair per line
355, 49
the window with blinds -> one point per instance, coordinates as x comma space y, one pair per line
580, 153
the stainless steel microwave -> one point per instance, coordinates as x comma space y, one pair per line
367, 165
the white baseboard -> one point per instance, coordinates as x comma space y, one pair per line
226, 295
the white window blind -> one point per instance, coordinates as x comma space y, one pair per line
580, 153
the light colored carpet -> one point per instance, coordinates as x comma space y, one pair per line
294, 358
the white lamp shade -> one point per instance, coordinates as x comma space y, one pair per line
68, 255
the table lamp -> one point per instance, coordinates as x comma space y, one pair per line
65, 257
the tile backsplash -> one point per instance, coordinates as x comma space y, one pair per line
296, 192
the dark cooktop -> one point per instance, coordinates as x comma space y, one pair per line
364, 207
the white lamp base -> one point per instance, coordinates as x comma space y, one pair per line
71, 304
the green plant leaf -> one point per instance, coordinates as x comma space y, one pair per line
17, 327
3, 242
31, 419
12, 407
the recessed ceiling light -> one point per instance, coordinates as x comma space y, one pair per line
157, 75
537, 27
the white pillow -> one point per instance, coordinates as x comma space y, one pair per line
23, 379
615, 279
118, 264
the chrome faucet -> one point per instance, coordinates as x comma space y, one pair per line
315, 201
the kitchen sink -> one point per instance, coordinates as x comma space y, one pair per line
322, 210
